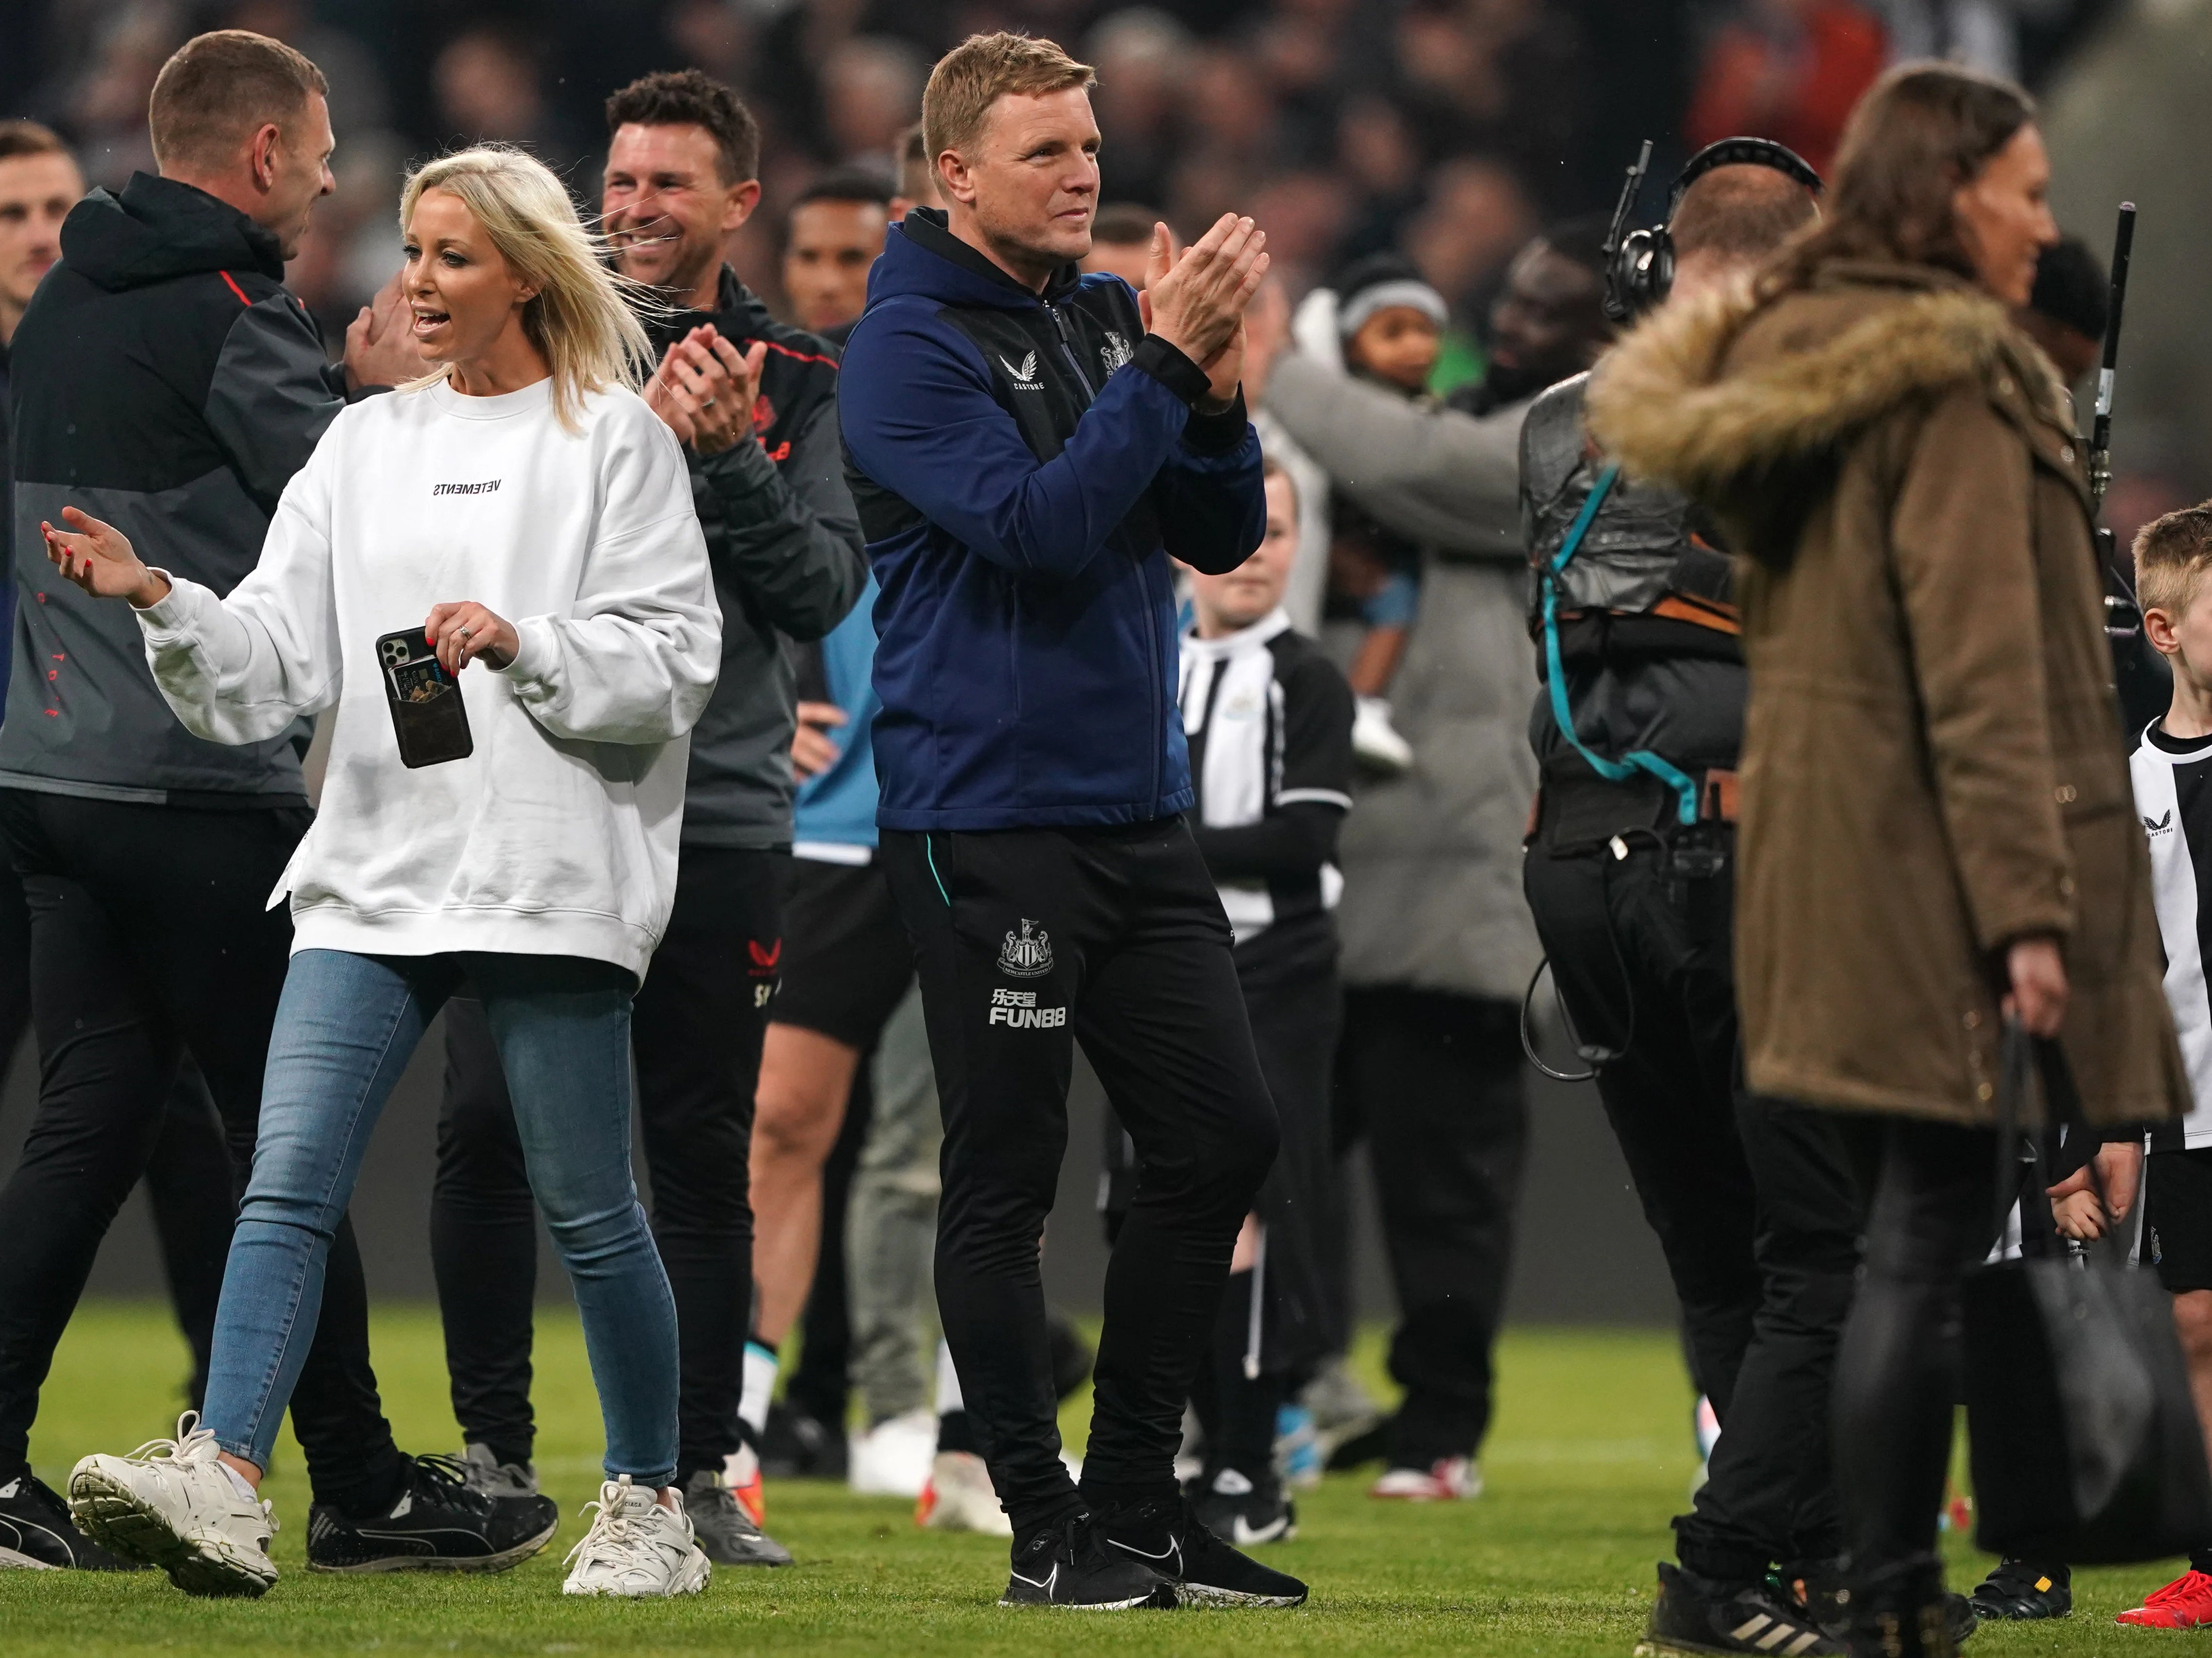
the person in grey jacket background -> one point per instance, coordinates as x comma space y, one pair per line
1437, 943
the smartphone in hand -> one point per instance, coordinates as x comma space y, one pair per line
428, 714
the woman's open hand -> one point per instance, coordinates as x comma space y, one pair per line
461, 633
98, 557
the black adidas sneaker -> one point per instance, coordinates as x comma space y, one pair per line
2018, 1592
1069, 1564
36, 1531
438, 1524
1168, 1536
1694, 1616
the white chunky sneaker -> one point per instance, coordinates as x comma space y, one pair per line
1375, 740
959, 1497
892, 1459
636, 1548
173, 1505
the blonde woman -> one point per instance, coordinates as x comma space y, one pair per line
520, 509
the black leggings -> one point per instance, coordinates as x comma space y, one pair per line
1897, 1373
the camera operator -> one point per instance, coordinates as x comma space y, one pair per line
1936, 834
1752, 1201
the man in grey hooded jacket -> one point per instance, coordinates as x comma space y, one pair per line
1438, 945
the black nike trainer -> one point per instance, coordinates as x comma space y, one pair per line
438, 1524
1167, 1535
1069, 1564
36, 1531
1243, 1512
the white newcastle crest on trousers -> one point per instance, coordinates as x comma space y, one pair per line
1115, 352
1028, 955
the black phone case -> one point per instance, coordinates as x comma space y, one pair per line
428, 714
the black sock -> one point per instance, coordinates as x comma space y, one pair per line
2201, 1560
955, 1433
372, 1493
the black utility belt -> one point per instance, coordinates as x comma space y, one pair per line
1576, 811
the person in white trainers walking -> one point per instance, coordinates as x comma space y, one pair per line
515, 828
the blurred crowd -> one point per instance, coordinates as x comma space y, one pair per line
1445, 128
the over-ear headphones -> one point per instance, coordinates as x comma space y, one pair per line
1639, 265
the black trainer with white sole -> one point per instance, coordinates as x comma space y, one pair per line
720, 1525
438, 1524
1069, 1564
36, 1531
1241, 1512
1694, 1616
1168, 1536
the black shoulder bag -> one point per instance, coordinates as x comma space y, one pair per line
2085, 1441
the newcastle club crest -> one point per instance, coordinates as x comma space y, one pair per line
1028, 955
1115, 352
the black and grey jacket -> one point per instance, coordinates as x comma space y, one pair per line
1268, 718
1647, 628
162, 379
785, 545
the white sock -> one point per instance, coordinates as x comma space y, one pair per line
759, 1384
244, 1489
948, 1382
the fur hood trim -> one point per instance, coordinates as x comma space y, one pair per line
1660, 403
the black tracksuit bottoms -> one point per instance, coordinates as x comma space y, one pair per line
1434, 1082
1754, 1202
1027, 942
150, 938
695, 1030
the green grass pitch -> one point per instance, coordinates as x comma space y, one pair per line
1590, 1457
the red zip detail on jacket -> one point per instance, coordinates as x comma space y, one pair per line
235, 289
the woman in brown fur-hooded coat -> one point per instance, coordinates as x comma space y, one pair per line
1934, 798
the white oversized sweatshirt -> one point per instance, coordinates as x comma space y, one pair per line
558, 834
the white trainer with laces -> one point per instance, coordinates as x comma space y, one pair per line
173, 1505
636, 1548
960, 1497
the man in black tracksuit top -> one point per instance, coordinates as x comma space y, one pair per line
1268, 719
1753, 1202
163, 379
767, 479
1025, 456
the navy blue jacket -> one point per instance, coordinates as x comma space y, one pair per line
1024, 466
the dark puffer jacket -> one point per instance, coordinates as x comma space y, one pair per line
162, 379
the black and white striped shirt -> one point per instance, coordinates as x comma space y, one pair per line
2172, 780
1268, 719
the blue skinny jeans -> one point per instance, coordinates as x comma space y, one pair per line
345, 1028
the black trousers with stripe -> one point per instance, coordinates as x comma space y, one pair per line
1028, 941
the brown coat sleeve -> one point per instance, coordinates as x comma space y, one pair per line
1962, 550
